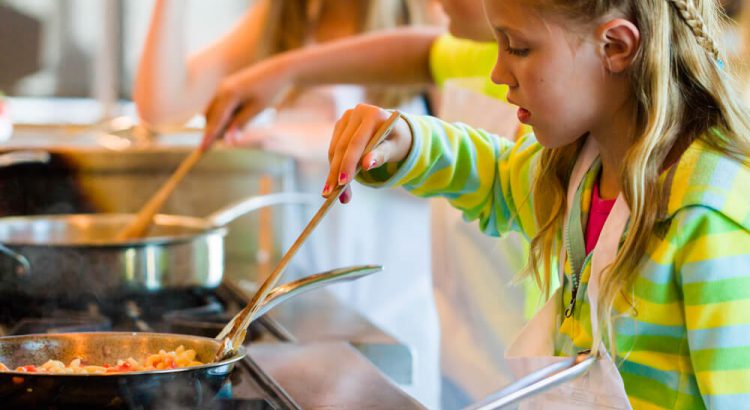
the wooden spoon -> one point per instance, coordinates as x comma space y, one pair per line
138, 227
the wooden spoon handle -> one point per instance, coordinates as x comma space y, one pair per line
138, 227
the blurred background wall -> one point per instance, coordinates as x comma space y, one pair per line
89, 48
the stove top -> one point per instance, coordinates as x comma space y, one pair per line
194, 313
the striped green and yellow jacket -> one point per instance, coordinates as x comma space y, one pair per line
687, 344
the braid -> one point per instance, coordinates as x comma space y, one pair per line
690, 15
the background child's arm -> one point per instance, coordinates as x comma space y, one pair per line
394, 57
171, 86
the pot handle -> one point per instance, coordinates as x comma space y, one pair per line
233, 211
24, 266
288, 290
312, 282
537, 382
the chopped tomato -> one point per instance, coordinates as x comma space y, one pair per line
124, 367
28, 369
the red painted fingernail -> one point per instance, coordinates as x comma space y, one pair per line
326, 190
372, 164
342, 178
345, 197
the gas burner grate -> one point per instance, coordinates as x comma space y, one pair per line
71, 324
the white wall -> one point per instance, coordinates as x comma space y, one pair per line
73, 30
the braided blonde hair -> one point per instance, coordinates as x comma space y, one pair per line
693, 19
679, 94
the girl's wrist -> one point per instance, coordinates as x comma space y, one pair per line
403, 134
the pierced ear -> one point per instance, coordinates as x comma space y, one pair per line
620, 40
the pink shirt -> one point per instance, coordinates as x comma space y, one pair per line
600, 209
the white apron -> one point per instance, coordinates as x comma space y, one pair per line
533, 348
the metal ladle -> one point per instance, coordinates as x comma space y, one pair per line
289, 290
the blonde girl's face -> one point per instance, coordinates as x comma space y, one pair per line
555, 77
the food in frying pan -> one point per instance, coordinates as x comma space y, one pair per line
163, 360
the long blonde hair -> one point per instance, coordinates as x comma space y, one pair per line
680, 93
290, 24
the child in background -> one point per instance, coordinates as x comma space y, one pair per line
172, 86
634, 184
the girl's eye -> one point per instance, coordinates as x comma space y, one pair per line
521, 52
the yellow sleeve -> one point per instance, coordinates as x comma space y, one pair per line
451, 58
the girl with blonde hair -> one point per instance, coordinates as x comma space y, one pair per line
632, 188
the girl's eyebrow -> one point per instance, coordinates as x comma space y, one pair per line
508, 30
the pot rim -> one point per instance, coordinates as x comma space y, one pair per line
202, 226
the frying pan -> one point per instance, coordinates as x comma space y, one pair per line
181, 387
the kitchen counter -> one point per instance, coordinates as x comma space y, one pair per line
318, 317
333, 357
329, 375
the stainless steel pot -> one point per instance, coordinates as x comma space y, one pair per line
174, 388
64, 257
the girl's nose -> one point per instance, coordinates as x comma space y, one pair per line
501, 74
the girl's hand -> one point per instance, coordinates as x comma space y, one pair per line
242, 96
350, 137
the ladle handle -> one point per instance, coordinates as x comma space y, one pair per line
289, 290
536, 383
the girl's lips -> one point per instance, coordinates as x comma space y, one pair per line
523, 115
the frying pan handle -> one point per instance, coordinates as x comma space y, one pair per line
312, 282
24, 266
233, 211
288, 290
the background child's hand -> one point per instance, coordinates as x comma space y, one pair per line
242, 96
350, 137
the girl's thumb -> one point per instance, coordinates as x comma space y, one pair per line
378, 156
